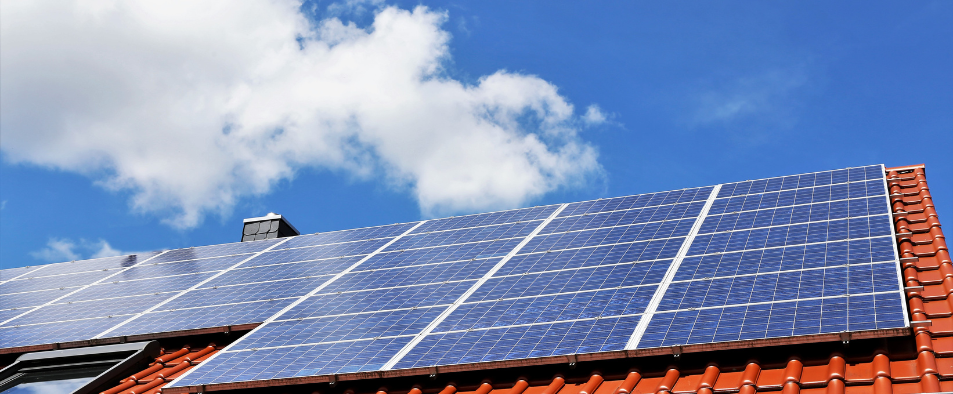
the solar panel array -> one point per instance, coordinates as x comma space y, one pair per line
798, 255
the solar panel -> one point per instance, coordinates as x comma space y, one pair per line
796, 255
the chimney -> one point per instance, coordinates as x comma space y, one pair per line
271, 225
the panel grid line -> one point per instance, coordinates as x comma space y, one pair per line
794, 189
789, 246
792, 224
670, 274
626, 209
23, 274
83, 287
327, 283
759, 209
783, 271
433, 325
195, 286
617, 225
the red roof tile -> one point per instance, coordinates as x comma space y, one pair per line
168, 366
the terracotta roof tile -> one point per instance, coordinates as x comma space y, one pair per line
168, 366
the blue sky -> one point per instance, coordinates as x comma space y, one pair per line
663, 96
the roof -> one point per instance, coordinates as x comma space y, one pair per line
920, 360
923, 363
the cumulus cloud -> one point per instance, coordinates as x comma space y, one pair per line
194, 105
64, 249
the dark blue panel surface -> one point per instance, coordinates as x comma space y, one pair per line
775, 320
801, 181
787, 258
512, 343
477, 250
86, 309
211, 316
341, 357
487, 219
544, 309
93, 265
589, 278
53, 282
55, 332
155, 270
245, 293
389, 231
33, 298
317, 252
340, 328
793, 215
10, 273
612, 235
790, 285
215, 250
473, 234
586, 257
310, 269
817, 232
111, 289
378, 300
637, 201
415, 275
621, 218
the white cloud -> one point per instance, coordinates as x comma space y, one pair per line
195, 105
57, 250
594, 115
65, 249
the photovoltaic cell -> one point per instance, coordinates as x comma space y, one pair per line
10, 273
156, 270
273, 363
588, 278
774, 320
319, 252
86, 309
245, 293
625, 217
92, 265
55, 332
473, 234
460, 252
549, 308
347, 235
509, 343
342, 328
379, 300
33, 298
215, 250
637, 201
202, 317
136, 287
487, 219
612, 235
414, 275
52, 282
